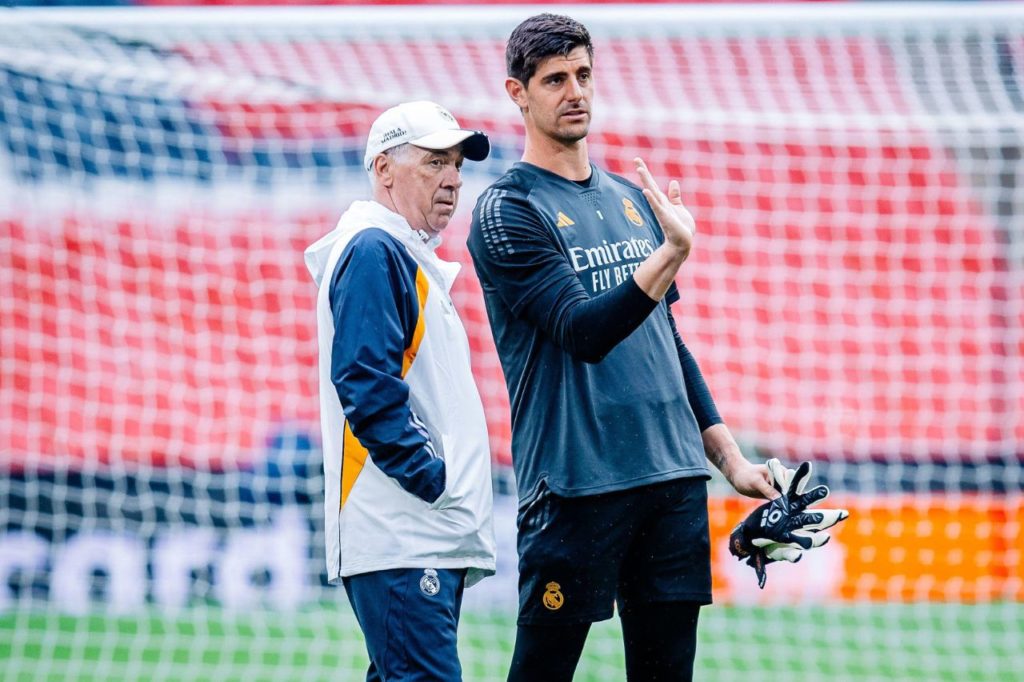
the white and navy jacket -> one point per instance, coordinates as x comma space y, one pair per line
406, 460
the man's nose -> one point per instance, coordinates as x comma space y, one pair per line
575, 89
453, 178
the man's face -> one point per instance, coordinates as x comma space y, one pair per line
558, 97
425, 187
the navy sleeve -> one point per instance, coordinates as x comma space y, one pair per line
374, 302
701, 403
513, 250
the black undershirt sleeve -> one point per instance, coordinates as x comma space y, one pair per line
513, 251
701, 402
592, 328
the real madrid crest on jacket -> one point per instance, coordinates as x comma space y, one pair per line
426, 409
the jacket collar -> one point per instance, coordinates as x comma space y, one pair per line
363, 214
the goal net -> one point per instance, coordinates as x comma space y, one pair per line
855, 297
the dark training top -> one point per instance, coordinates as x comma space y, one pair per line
604, 394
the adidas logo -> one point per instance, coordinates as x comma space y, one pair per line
564, 220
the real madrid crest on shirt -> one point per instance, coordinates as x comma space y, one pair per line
631, 213
553, 598
429, 583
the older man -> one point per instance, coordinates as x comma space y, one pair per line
406, 461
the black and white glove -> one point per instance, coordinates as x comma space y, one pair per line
781, 530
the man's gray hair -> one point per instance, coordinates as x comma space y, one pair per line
397, 153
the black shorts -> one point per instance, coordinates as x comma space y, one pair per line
579, 556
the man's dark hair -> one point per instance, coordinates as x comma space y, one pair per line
540, 37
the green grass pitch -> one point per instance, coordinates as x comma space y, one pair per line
912, 642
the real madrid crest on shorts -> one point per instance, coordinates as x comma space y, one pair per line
553, 598
631, 213
429, 583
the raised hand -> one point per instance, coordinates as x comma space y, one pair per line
676, 221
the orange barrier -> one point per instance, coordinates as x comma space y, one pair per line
963, 548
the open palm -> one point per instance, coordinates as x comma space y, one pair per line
675, 219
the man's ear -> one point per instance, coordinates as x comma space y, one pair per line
384, 170
516, 92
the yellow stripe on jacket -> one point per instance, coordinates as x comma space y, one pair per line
354, 454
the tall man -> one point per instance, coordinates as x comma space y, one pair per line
406, 459
612, 422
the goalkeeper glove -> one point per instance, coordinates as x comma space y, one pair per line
781, 530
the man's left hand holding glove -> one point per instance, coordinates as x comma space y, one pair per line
781, 530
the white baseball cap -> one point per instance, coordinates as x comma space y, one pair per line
422, 124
